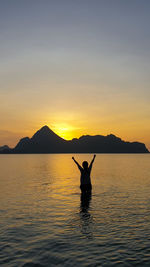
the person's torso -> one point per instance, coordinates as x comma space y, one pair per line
85, 176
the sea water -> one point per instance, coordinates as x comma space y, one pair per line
45, 221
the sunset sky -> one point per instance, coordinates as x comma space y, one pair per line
78, 66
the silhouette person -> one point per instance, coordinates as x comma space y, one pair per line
85, 179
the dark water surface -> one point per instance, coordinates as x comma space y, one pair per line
44, 220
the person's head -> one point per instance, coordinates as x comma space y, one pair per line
85, 165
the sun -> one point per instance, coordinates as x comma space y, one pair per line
64, 130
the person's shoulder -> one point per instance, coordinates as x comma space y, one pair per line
89, 168
80, 168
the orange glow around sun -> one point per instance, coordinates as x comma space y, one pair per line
65, 131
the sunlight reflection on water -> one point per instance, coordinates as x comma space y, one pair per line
45, 221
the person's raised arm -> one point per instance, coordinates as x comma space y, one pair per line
80, 168
90, 167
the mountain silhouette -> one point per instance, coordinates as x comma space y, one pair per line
5, 147
43, 141
46, 141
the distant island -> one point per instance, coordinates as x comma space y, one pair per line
46, 141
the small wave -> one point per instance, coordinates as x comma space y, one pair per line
32, 264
